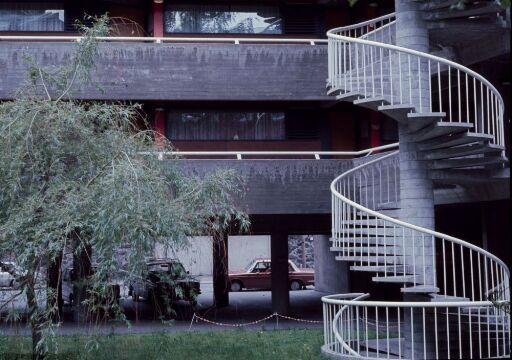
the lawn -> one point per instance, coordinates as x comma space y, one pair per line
279, 344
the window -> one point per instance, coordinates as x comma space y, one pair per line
229, 125
16, 16
222, 19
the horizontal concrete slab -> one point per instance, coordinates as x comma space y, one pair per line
149, 71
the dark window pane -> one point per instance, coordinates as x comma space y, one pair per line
223, 19
225, 125
31, 16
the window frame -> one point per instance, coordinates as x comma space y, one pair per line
41, 31
222, 34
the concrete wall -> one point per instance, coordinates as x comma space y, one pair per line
279, 186
197, 258
243, 249
142, 71
331, 276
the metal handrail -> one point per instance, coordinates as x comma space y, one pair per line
240, 154
158, 40
419, 54
402, 223
364, 23
494, 103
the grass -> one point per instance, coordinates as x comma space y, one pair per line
246, 345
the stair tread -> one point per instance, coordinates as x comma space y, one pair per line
381, 268
394, 279
454, 140
439, 129
420, 289
462, 150
467, 162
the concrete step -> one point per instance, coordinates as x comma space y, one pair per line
420, 289
348, 96
379, 250
418, 121
397, 112
399, 279
384, 260
446, 298
371, 241
460, 176
449, 141
470, 10
394, 213
439, 129
463, 150
372, 103
391, 269
377, 232
468, 162
370, 222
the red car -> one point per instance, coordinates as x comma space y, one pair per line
257, 276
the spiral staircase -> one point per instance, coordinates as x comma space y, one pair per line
456, 295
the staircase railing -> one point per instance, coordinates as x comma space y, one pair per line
363, 61
465, 289
469, 287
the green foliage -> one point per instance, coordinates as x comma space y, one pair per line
73, 173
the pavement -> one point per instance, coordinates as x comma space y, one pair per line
246, 307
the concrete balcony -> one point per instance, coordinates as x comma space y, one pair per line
193, 71
279, 186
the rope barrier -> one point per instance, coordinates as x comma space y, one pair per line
197, 318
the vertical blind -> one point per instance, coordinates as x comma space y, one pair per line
225, 125
31, 16
215, 19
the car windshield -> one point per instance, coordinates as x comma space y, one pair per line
249, 267
178, 270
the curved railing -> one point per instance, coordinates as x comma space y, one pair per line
469, 286
365, 62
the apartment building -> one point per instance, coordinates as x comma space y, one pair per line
222, 79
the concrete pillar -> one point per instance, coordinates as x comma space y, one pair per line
331, 276
412, 33
279, 277
158, 18
220, 270
159, 126
416, 189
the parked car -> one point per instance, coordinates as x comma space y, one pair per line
165, 277
258, 273
68, 277
7, 269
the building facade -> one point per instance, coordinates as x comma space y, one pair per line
238, 76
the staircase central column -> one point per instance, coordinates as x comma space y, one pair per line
416, 188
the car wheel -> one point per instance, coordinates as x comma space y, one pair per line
295, 285
235, 286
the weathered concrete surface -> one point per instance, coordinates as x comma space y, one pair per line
279, 186
128, 71
331, 276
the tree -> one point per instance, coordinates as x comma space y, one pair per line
75, 172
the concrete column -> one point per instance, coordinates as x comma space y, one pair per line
279, 277
331, 276
416, 189
220, 270
158, 18
412, 33
159, 126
